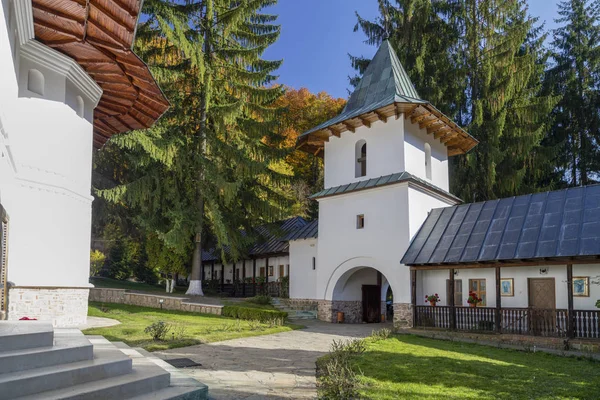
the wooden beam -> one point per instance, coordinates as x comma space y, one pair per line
244, 278
254, 274
129, 25
452, 302
222, 277
441, 132
418, 118
212, 270
57, 29
365, 122
498, 302
430, 123
413, 295
114, 37
570, 315
381, 117
58, 14
350, 127
332, 131
531, 263
317, 152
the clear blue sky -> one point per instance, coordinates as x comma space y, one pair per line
317, 35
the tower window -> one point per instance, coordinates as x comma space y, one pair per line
360, 221
428, 160
361, 158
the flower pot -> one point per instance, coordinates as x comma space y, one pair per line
433, 303
340, 317
473, 304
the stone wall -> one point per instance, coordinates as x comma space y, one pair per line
403, 315
327, 311
65, 307
123, 296
302, 304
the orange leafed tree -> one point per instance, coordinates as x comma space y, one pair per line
304, 110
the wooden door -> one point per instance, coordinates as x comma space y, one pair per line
371, 302
542, 304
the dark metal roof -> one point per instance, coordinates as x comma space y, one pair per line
382, 181
273, 239
308, 231
551, 225
384, 82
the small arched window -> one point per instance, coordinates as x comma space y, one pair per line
361, 158
428, 160
80, 106
35, 82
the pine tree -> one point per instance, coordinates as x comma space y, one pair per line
574, 76
204, 172
482, 63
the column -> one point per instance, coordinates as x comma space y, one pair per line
570, 314
452, 302
244, 278
498, 302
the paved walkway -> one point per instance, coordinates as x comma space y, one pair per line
279, 366
98, 322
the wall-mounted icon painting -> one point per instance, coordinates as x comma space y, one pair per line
507, 287
581, 286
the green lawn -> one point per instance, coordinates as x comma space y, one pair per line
192, 328
411, 367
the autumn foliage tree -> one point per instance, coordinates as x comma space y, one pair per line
303, 110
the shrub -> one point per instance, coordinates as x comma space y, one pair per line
336, 376
254, 314
381, 334
264, 300
158, 330
97, 259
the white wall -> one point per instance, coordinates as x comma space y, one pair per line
351, 289
421, 202
45, 161
385, 153
303, 279
379, 245
414, 155
430, 282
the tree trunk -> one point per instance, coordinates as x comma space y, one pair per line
195, 287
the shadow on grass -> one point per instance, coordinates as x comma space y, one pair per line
409, 366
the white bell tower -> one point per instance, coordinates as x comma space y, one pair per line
386, 166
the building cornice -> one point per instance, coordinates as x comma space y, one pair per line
43, 55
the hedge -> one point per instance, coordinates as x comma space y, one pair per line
256, 314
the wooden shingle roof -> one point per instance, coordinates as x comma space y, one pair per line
98, 34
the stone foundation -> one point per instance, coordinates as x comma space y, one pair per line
403, 315
302, 304
65, 307
122, 296
327, 311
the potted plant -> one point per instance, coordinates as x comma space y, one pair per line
473, 299
432, 299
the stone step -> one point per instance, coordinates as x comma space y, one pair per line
107, 363
18, 335
175, 393
70, 345
141, 382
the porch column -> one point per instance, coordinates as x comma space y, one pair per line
413, 295
267, 276
233, 275
222, 276
570, 315
498, 302
452, 302
202, 275
254, 276
244, 278
212, 270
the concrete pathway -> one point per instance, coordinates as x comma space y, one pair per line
98, 322
279, 366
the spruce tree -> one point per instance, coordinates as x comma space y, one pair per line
482, 63
575, 76
204, 172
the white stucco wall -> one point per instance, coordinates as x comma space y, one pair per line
420, 203
46, 160
380, 245
385, 153
414, 155
430, 282
303, 279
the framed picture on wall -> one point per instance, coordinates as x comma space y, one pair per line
581, 286
507, 287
